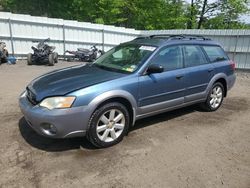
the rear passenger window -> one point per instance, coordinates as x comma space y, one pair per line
194, 56
170, 58
215, 53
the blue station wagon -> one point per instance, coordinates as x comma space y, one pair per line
146, 76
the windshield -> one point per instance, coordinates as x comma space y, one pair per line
125, 58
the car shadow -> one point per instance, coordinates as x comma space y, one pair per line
57, 145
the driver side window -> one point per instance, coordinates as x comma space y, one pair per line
170, 58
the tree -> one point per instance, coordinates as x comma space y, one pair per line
231, 10
155, 14
218, 14
138, 14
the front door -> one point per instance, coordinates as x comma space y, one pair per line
160, 91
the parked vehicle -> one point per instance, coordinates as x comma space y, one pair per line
43, 54
3, 53
86, 55
137, 79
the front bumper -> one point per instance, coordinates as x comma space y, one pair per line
69, 122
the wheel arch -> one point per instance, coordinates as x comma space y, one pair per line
220, 77
122, 97
224, 83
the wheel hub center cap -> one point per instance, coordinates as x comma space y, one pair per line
111, 124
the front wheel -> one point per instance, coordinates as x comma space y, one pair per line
215, 98
108, 125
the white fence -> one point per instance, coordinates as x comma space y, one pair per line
18, 31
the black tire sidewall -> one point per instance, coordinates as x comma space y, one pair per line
92, 134
55, 57
29, 59
210, 108
51, 59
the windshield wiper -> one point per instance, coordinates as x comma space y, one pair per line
110, 69
105, 68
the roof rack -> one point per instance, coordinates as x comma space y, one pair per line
175, 37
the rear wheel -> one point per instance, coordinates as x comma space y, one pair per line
51, 60
108, 125
55, 57
29, 59
215, 98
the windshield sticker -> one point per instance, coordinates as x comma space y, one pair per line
133, 67
148, 48
128, 69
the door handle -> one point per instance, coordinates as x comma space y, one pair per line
210, 70
179, 77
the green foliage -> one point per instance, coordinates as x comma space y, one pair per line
139, 14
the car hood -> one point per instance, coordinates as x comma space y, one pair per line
64, 81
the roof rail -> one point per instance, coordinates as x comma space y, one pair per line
175, 37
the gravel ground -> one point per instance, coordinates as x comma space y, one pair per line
183, 148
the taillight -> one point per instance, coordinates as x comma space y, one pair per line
233, 65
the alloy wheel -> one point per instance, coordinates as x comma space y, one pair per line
216, 97
110, 125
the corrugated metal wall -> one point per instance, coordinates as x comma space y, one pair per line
19, 30
235, 42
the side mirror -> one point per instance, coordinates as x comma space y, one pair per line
155, 69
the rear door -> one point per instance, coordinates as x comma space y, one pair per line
199, 72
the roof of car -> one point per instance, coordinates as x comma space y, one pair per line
161, 40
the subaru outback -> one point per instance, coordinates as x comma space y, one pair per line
146, 76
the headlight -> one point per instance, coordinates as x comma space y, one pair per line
57, 102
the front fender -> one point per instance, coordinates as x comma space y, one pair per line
113, 94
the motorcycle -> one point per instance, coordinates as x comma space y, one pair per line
86, 55
4, 54
43, 53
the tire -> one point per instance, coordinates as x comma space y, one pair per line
6, 53
55, 57
2, 60
111, 131
51, 60
215, 98
29, 59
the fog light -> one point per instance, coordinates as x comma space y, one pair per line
48, 128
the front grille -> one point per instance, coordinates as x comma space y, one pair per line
31, 96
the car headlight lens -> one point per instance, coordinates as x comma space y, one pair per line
57, 102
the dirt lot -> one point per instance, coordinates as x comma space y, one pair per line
183, 148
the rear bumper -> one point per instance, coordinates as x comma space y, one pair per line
231, 81
71, 122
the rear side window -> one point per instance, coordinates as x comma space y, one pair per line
194, 56
215, 53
